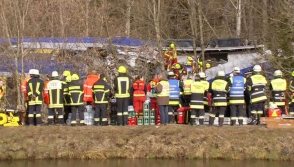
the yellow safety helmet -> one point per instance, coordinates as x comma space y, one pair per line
293, 73
208, 65
68, 79
172, 45
189, 63
200, 63
190, 58
178, 66
66, 73
75, 77
122, 69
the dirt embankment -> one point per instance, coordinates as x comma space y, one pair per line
172, 141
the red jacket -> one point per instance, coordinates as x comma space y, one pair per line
139, 88
88, 94
24, 86
46, 93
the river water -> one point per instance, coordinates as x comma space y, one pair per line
143, 163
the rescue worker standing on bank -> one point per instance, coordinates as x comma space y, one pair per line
56, 99
102, 94
174, 97
25, 119
196, 104
256, 85
35, 88
75, 90
122, 84
91, 79
139, 90
67, 107
237, 88
219, 89
187, 89
207, 95
278, 87
163, 93
291, 87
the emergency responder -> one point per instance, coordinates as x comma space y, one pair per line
2, 89
121, 86
139, 90
75, 90
236, 96
247, 97
219, 89
102, 94
25, 114
207, 95
177, 69
188, 69
196, 104
163, 93
45, 92
174, 97
187, 89
67, 107
88, 84
278, 87
256, 85
56, 99
191, 61
291, 87
152, 95
170, 55
35, 88
65, 74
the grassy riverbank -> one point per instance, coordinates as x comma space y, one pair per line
172, 141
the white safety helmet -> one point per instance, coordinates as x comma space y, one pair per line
202, 75
170, 73
54, 74
31, 71
278, 73
221, 74
36, 72
237, 69
257, 68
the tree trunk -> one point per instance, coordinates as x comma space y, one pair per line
156, 21
264, 20
193, 23
199, 8
128, 17
239, 11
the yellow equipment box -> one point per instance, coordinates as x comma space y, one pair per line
8, 118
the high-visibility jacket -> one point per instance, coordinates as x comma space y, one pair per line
56, 93
88, 94
256, 84
165, 89
187, 86
24, 87
122, 86
174, 94
139, 89
35, 87
278, 87
237, 90
46, 93
75, 90
66, 94
101, 92
206, 87
219, 92
197, 89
